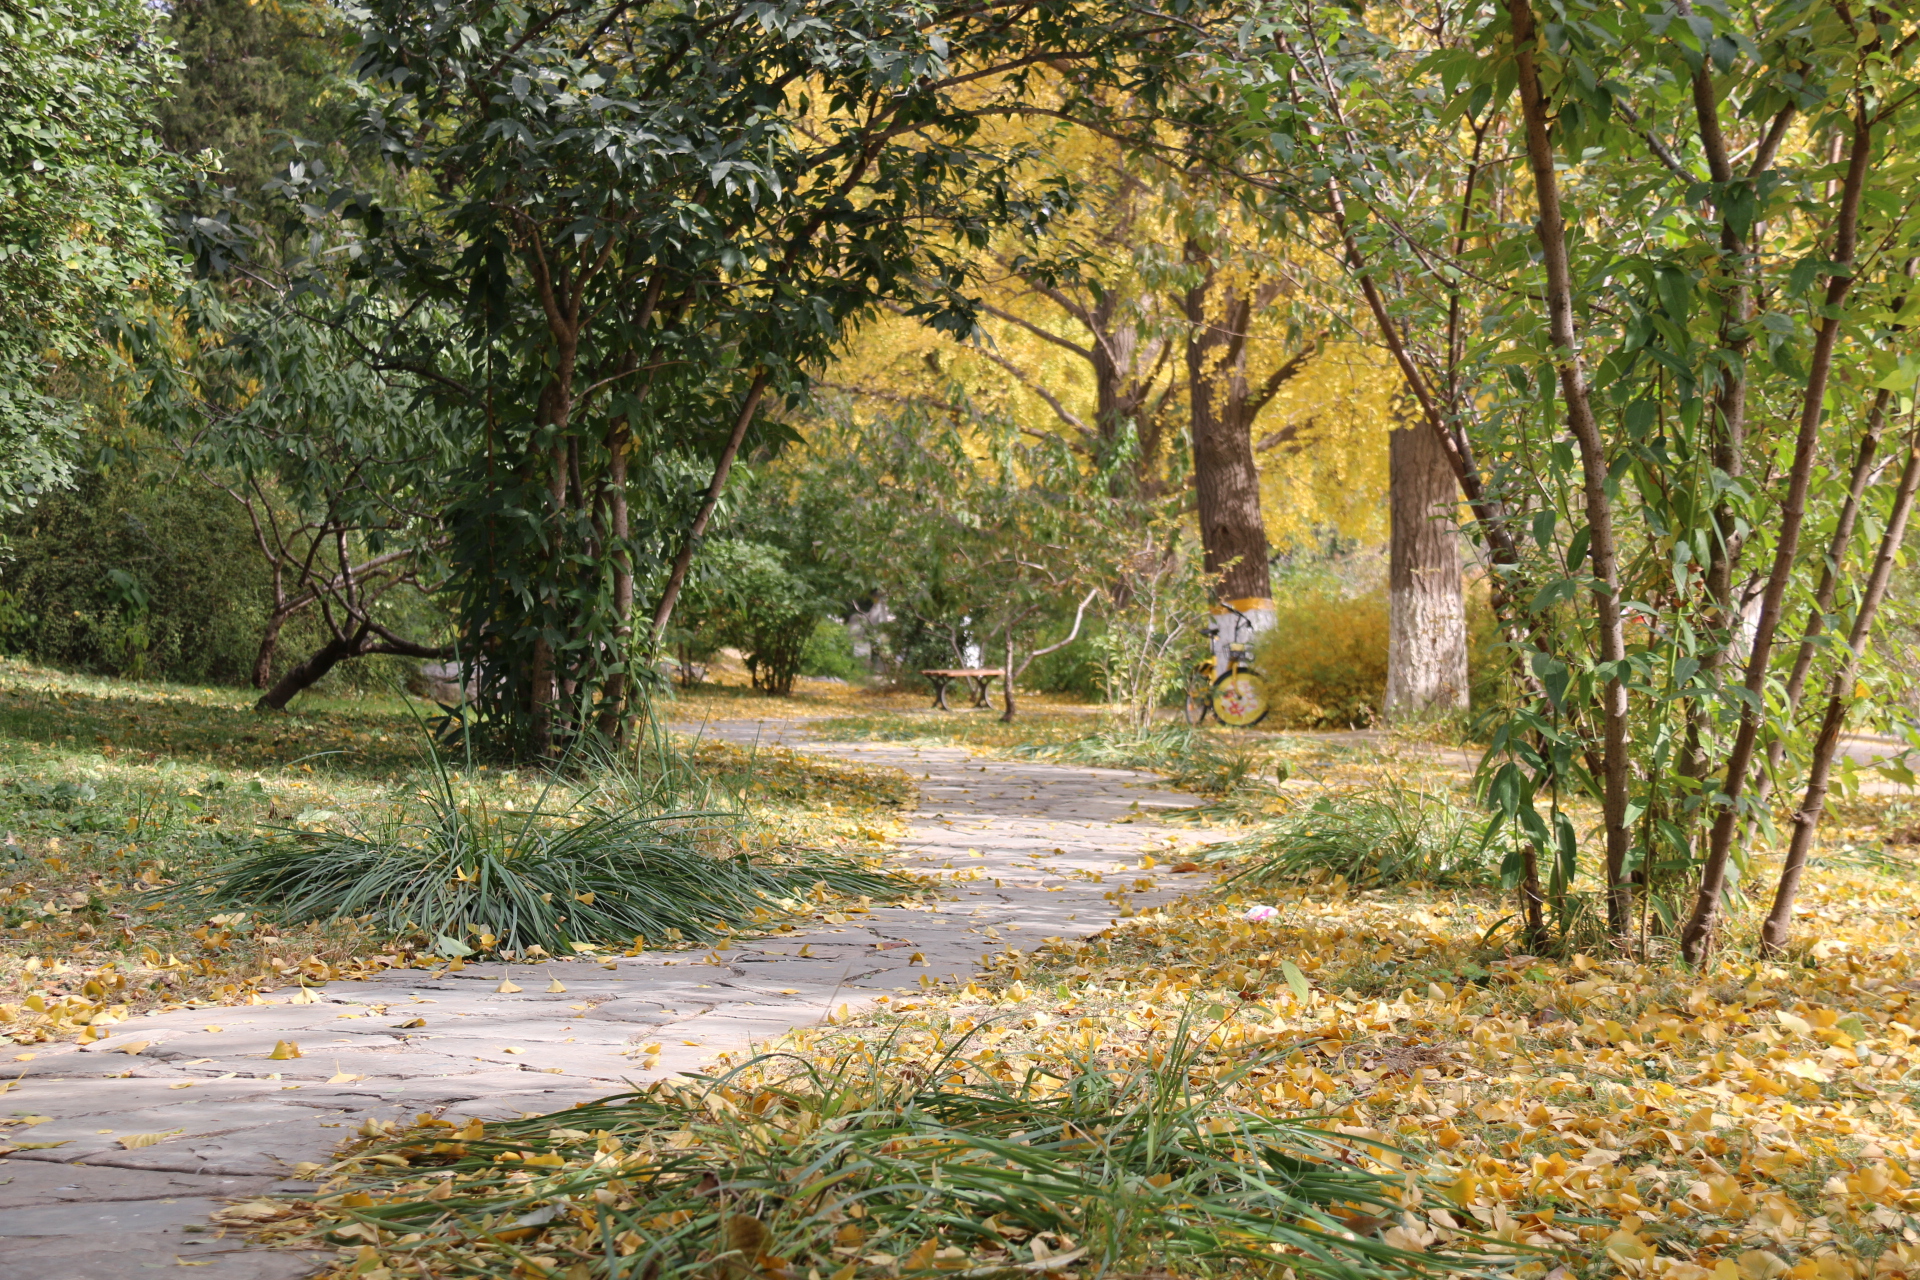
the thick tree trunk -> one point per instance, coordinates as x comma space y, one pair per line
1226, 483
309, 672
1427, 613
1226, 479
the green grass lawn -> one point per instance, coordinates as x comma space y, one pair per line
117, 797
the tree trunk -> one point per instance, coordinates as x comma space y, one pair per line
1773, 935
307, 673
1697, 937
543, 675
269, 645
677, 578
1006, 682
1551, 234
1830, 572
1226, 480
1427, 614
613, 704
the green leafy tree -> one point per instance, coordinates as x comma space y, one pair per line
651, 223
1644, 269
338, 470
251, 77
81, 177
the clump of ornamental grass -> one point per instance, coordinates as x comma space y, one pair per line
465, 877
1393, 835
871, 1167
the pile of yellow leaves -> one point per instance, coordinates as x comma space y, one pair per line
1754, 1121
80, 1000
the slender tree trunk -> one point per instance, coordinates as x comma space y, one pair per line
1773, 935
1552, 233
556, 412
1701, 923
269, 645
613, 720
1533, 923
1426, 609
697, 530
1006, 681
1863, 469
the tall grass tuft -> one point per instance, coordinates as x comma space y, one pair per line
1394, 835
894, 1168
461, 877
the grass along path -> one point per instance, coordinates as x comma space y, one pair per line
171, 1110
1594, 1118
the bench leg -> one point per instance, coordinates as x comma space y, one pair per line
982, 690
940, 693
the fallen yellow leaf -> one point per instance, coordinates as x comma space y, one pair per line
506, 986
284, 1050
134, 1140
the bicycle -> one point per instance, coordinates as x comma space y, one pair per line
1236, 697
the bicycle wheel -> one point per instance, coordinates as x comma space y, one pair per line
1240, 698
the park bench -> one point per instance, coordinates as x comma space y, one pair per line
979, 679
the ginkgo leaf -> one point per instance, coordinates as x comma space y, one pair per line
284, 1050
133, 1140
555, 986
507, 986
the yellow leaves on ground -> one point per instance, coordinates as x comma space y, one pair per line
283, 1051
1751, 1123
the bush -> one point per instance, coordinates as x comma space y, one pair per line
1325, 660
138, 575
829, 652
1372, 838
149, 574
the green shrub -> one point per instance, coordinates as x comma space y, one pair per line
136, 574
829, 652
154, 574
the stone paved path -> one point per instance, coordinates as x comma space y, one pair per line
1033, 850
